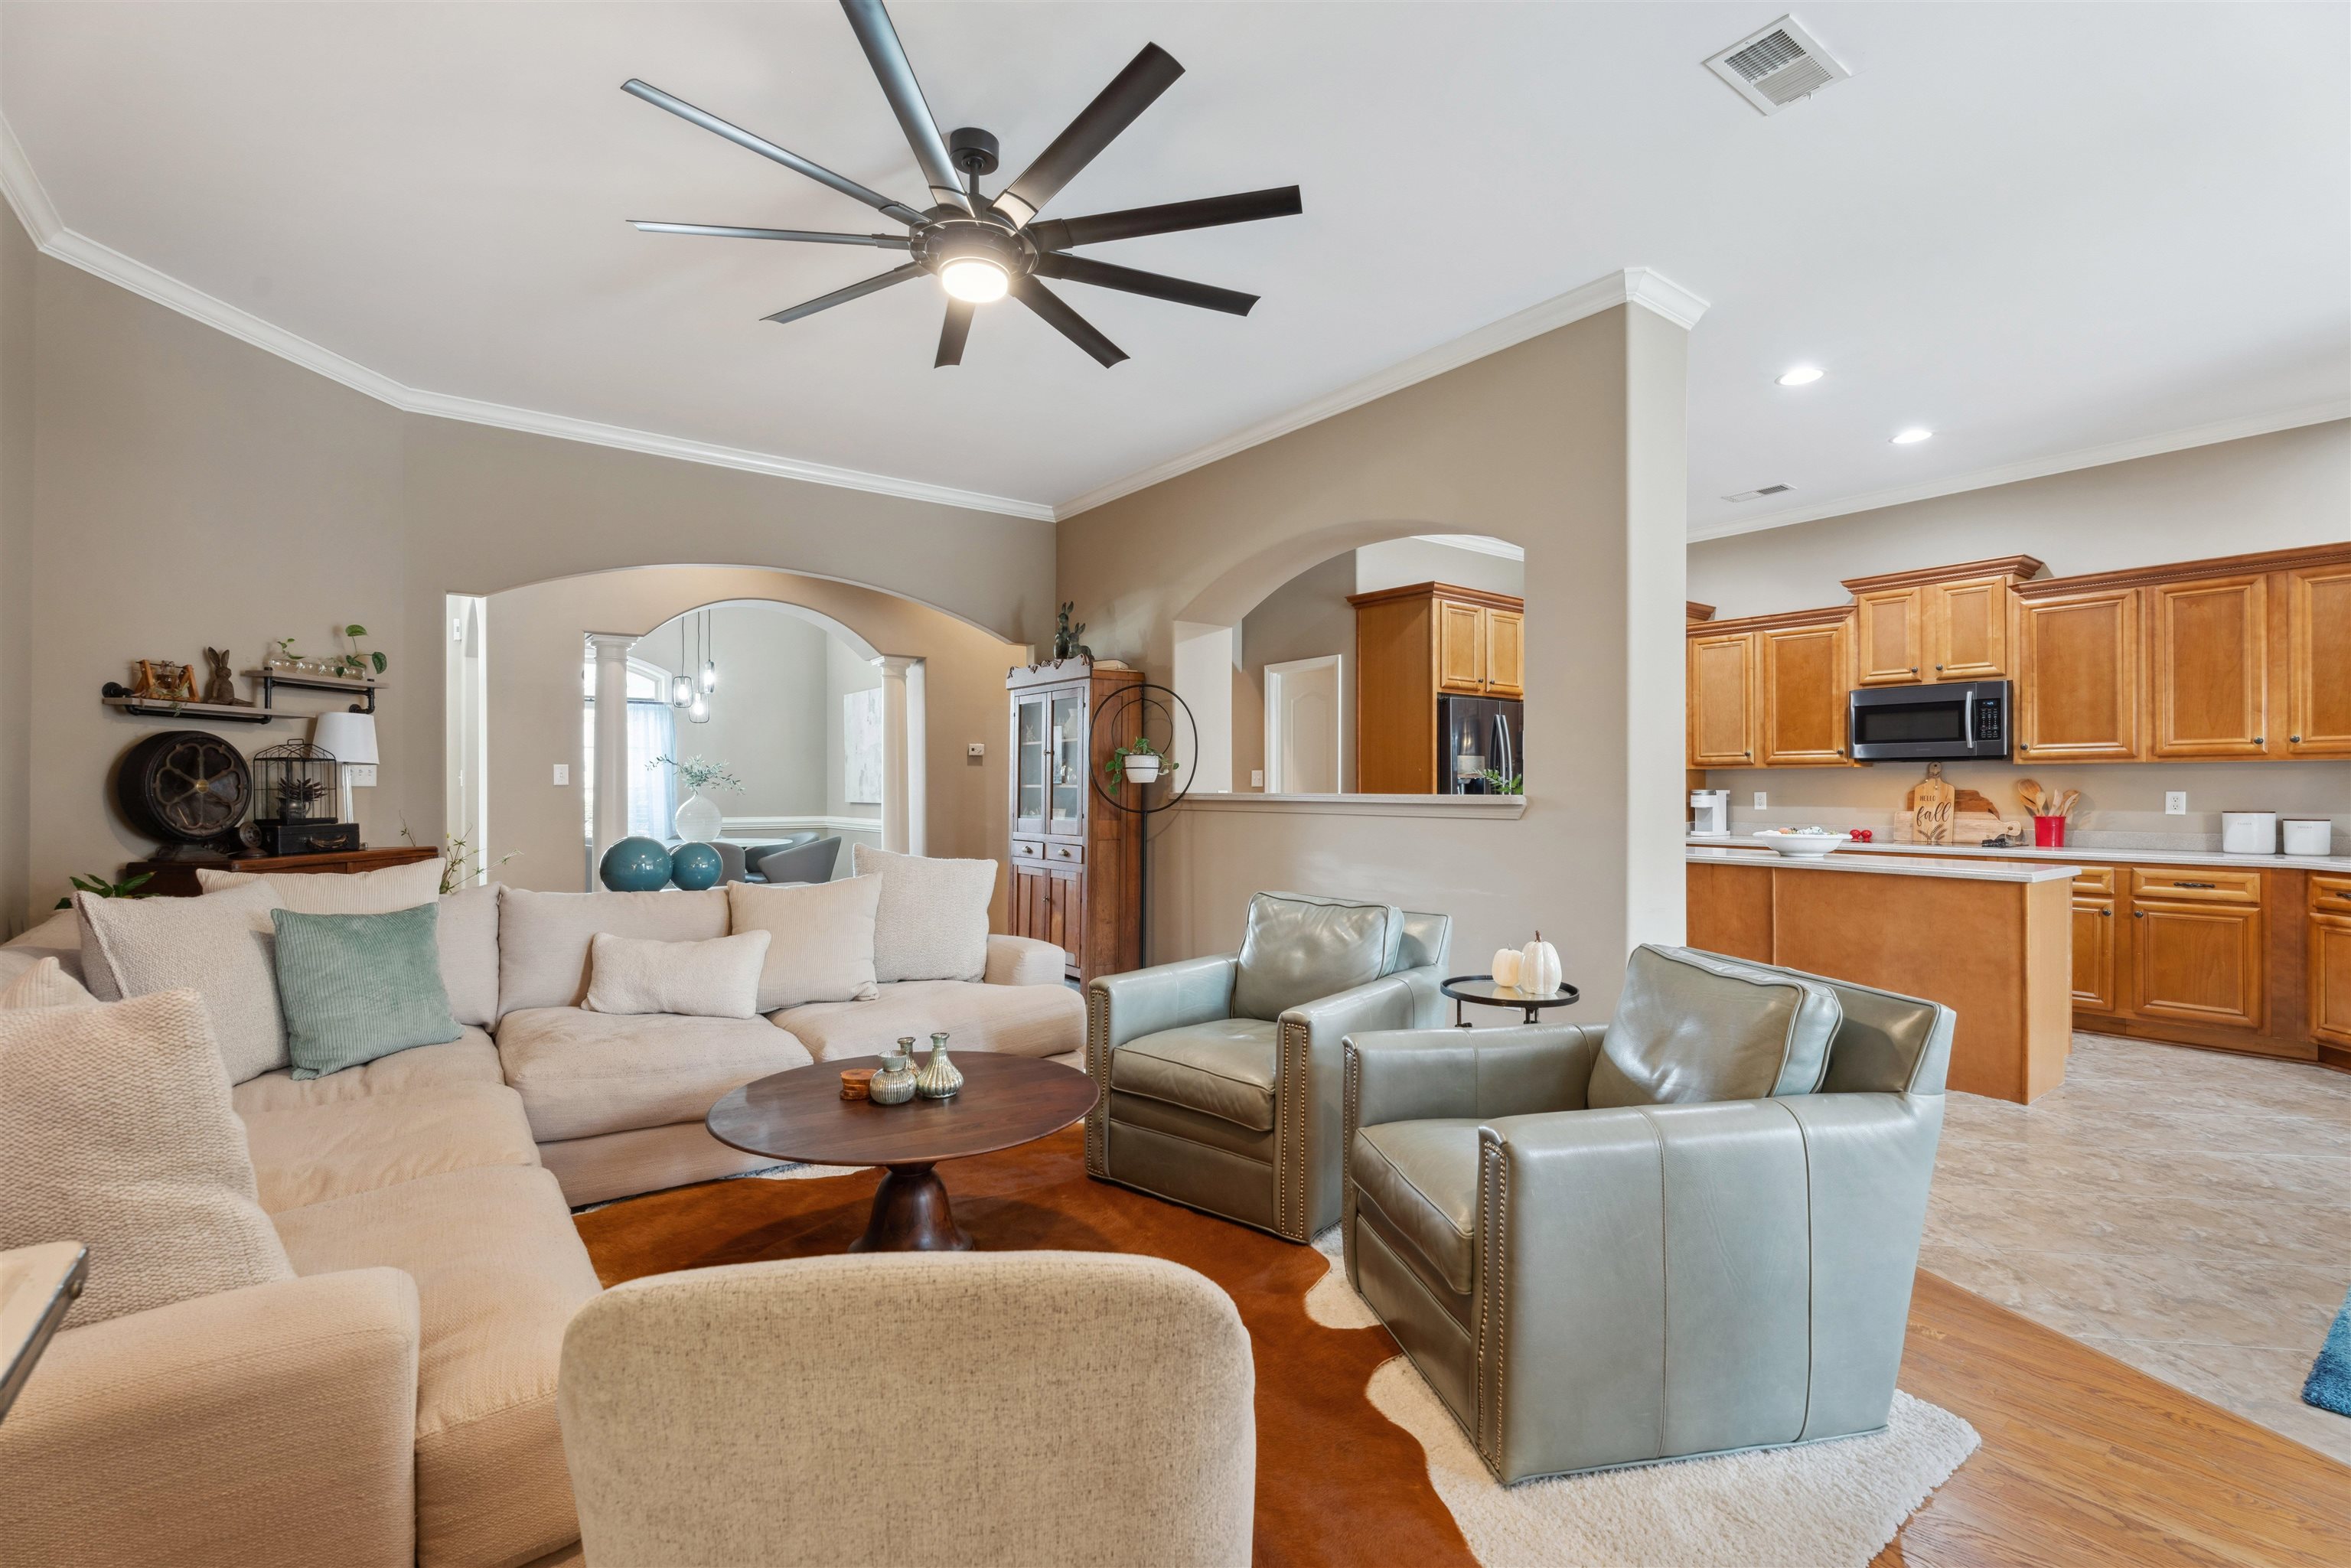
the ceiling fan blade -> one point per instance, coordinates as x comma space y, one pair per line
859, 290
1129, 93
1103, 274
1059, 234
888, 58
1064, 320
765, 149
952, 334
811, 236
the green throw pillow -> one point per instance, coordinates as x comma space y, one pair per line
357, 986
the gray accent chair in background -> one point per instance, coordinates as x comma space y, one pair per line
812, 860
1223, 1074
1689, 1230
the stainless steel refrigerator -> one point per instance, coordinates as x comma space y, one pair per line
1476, 736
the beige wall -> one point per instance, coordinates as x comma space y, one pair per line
2267, 492
767, 723
1398, 563
534, 638
1569, 444
1306, 618
16, 674
193, 489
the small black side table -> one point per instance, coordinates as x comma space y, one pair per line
1481, 989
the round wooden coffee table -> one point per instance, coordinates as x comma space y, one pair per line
800, 1116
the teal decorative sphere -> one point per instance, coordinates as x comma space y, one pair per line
696, 866
636, 866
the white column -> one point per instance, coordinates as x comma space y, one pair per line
917, 758
611, 742
897, 755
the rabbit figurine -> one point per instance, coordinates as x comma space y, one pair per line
220, 686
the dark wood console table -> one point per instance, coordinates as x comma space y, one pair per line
177, 878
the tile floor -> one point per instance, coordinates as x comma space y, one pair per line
2185, 1211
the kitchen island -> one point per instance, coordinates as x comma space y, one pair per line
1992, 940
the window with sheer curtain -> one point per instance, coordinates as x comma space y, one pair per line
652, 732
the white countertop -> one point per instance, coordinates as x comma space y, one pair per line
2071, 856
1884, 866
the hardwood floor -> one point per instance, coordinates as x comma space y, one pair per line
2087, 1460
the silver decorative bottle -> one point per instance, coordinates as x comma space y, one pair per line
893, 1080
940, 1078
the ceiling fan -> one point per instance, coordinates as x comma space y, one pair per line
982, 249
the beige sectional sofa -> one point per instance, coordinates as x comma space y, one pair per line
394, 1403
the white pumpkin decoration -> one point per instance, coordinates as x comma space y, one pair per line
1506, 967
1538, 971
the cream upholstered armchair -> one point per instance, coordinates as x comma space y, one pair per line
1223, 1074
1692, 1230
1075, 1410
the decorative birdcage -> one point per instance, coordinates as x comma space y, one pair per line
294, 783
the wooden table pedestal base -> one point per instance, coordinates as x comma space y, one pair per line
911, 1214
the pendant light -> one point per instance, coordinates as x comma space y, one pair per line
698, 705
710, 648
681, 688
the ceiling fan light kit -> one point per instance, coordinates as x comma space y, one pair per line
982, 249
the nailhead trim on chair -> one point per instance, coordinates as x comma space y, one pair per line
1351, 1097
1098, 1068
1493, 1210
1292, 1092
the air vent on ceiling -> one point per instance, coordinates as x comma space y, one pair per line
1759, 495
1774, 67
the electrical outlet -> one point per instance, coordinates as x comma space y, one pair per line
2175, 802
975, 750
563, 773
1763, 800
1257, 777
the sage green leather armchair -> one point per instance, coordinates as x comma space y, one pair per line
1692, 1230
1222, 1075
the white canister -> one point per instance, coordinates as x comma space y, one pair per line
2309, 836
2249, 833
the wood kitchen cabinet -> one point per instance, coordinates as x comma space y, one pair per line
2317, 657
2078, 697
1413, 645
2197, 963
2326, 950
1889, 636
1077, 862
1939, 624
2095, 973
1803, 706
2208, 667
1723, 692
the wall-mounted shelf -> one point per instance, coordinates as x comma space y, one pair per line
117, 696
203, 713
272, 679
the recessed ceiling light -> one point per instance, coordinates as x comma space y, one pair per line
1912, 436
1802, 376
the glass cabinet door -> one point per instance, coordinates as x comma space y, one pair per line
1068, 758
1029, 808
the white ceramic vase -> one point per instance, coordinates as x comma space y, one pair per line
698, 819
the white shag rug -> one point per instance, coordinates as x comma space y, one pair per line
1822, 1505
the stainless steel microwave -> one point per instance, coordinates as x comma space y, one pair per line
1953, 719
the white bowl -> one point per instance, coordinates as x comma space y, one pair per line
1802, 846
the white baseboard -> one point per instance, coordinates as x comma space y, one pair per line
753, 828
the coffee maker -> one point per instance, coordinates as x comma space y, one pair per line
1710, 811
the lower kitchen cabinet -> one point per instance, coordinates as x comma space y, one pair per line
2327, 950
2198, 964
2094, 955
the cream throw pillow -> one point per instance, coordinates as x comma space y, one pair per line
116, 1131
45, 984
386, 892
932, 920
716, 978
222, 946
821, 938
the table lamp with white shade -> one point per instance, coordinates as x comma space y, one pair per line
351, 737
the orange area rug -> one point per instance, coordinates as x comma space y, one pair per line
1337, 1482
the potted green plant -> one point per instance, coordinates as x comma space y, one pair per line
96, 886
1138, 761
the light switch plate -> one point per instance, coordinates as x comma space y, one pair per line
563, 773
1257, 777
2175, 802
1763, 800
975, 750
361, 775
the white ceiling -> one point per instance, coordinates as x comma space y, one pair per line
2035, 229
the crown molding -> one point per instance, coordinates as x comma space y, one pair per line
1634, 286
2037, 467
25, 193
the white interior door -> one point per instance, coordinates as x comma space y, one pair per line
1303, 706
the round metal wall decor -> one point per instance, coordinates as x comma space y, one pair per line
183, 785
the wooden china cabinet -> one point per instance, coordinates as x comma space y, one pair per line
1077, 862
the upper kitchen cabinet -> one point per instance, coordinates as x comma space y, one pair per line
1722, 700
2317, 658
1804, 675
1940, 624
1506, 652
1417, 646
2208, 667
2077, 699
